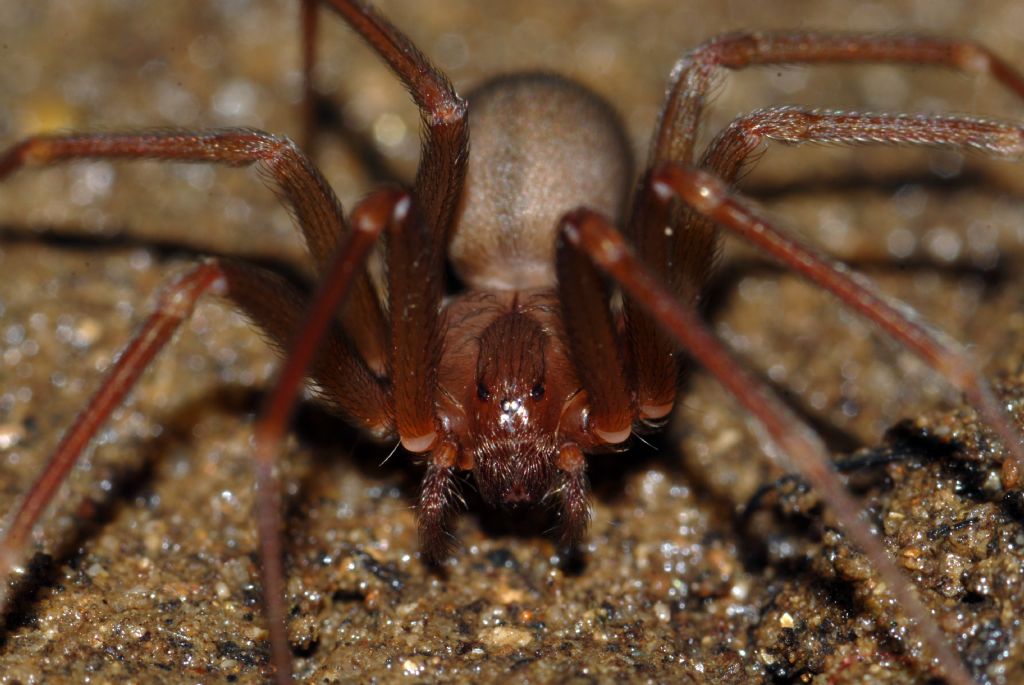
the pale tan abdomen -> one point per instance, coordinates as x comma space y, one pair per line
541, 146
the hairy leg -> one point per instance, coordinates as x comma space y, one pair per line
687, 252
594, 236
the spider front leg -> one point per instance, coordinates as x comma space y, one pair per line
686, 255
290, 172
591, 234
173, 307
726, 156
331, 367
416, 266
693, 76
272, 304
346, 378
599, 363
442, 166
710, 199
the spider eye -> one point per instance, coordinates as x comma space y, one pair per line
538, 391
482, 392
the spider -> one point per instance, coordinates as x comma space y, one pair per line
553, 372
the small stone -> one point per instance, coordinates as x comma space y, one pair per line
506, 637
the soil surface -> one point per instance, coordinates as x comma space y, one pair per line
144, 569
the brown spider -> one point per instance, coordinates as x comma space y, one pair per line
523, 373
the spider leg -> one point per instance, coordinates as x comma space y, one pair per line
309, 23
345, 376
729, 154
416, 247
343, 380
415, 290
416, 250
594, 343
596, 350
288, 170
710, 198
258, 293
733, 146
695, 73
436, 503
442, 168
416, 262
686, 252
174, 305
571, 463
368, 219
593, 235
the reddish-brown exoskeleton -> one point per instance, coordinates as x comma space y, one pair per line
528, 368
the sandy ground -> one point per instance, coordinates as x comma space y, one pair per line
145, 568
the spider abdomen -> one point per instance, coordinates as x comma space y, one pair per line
542, 145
